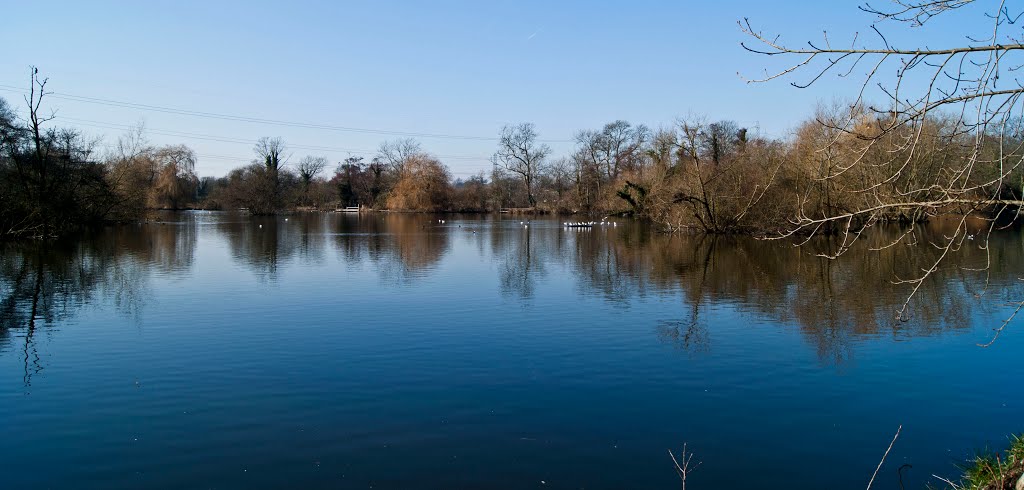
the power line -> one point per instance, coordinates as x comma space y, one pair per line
223, 139
230, 117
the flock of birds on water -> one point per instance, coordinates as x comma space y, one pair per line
589, 224
565, 224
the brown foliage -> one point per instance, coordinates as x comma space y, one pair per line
423, 185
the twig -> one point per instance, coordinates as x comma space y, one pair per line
946, 480
884, 456
683, 469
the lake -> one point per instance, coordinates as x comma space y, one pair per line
218, 350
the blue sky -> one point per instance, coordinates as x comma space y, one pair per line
456, 68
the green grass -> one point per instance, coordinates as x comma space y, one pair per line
995, 471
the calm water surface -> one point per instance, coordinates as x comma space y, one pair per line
390, 351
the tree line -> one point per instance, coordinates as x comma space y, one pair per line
708, 176
695, 174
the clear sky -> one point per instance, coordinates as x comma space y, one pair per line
457, 68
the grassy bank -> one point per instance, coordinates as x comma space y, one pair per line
995, 470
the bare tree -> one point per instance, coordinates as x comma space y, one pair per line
394, 153
270, 154
520, 153
49, 182
972, 84
561, 176
616, 147
132, 143
308, 169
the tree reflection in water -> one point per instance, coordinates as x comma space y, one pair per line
402, 248
521, 252
834, 303
45, 283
